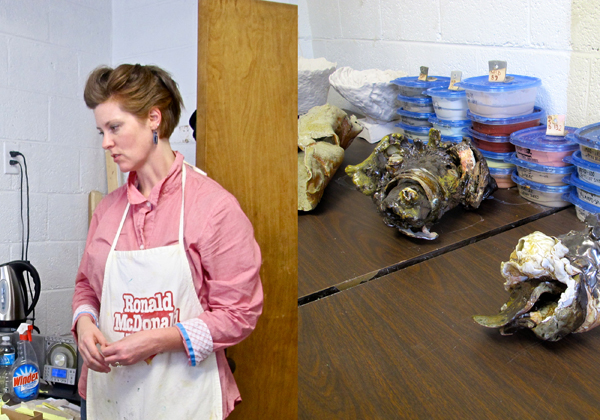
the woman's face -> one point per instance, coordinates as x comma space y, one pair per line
128, 139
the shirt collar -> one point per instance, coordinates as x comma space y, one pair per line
164, 186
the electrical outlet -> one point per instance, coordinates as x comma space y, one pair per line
8, 168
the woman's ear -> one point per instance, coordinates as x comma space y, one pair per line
155, 118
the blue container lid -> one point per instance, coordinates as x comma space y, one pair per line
539, 168
495, 155
482, 83
572, 198
418, 115
501, 171
576, 159
450, 123
413, 81
487, 137
421, 130
444, 92
575, 181
589, 136
537, 113
453, 139
535, 138
541, 187
416, 100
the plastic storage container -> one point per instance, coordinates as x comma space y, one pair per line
453, 139
587, 171
588, 138
500, 170
416, 104
450, 127
582, 209
533, 145
449, 104
506, 126
413, 132
501, 99
587, 192
546, 195
497, 160
412, 86
542, 174
496, 144
415, 118
503, 176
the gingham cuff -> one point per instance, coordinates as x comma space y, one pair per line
85, 309
197, 340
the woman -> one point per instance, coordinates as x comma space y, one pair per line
170, 273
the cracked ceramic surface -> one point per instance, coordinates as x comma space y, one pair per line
313, 82
370, 91
323, 135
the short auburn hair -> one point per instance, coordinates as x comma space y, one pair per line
137, 89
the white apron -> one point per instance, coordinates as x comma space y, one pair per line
146, 289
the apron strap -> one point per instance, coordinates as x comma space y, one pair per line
183, 178
114, 244
195, 168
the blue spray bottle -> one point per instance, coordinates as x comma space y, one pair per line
24, 378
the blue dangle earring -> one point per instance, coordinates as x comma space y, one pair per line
155, 137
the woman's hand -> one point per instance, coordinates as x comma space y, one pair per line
142, 345
88, 336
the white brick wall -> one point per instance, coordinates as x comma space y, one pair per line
304, 31
584, 82
533, 36
164, 33
47, 49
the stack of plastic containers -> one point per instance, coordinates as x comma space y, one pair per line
416, 108
540, 166
450, 108
586, 194
496, 110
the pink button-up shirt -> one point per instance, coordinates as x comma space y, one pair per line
223, 255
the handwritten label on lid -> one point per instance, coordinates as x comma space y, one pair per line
497, 71
455, 77
423, 74
555, 125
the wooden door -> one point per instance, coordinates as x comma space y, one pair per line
247, 141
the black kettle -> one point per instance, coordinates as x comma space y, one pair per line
14, 302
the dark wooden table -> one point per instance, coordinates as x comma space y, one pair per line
404, 346
344, 242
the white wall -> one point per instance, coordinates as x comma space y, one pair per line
584, 83
304, 32
164, 33
47, 49
448, 35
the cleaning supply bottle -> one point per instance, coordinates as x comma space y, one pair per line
24, 378
7, 359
